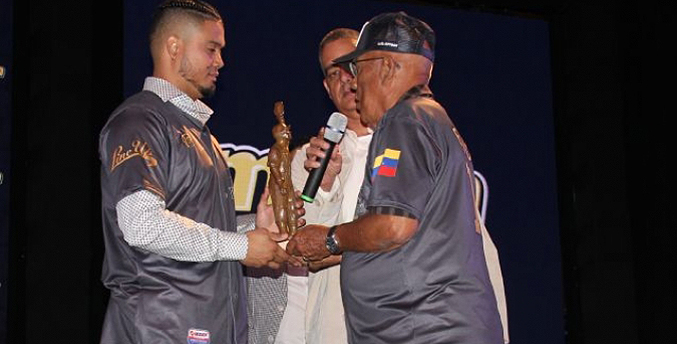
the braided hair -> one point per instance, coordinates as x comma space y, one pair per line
195, 10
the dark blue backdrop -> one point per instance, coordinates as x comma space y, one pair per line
492, 74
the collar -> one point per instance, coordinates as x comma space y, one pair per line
170, 93
416, 91
353, 135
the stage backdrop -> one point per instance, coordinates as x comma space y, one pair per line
5, 129
492, 73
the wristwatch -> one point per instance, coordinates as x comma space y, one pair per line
331, 242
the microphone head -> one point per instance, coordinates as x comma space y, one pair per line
336, 126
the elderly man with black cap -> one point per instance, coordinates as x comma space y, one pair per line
413, 268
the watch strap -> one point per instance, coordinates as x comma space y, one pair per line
331, 242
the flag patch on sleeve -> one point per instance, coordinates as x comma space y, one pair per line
386, 163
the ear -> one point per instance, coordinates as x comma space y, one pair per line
388, 69
173, 46
326, 87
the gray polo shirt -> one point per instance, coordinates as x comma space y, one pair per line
152, 145
435, 288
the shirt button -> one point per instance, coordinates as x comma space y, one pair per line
280, 308
271, 339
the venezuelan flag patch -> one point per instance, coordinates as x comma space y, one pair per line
386, 163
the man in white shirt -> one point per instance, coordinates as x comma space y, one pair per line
337, 196
285, 306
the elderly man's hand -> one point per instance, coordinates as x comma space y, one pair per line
310, 243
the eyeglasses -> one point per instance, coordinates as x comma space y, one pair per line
353, 64
333, 72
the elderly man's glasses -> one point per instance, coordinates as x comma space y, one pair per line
353, 64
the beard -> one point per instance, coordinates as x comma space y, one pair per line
186, 71
206, 91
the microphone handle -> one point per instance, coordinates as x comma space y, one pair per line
316, 174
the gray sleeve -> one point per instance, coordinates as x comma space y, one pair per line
133, 150
403, 170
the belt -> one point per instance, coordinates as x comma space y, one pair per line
296, 270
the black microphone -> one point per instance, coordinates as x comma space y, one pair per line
333, 132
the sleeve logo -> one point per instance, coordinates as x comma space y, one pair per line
386, 164
139, 149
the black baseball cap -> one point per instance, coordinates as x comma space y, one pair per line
397, 32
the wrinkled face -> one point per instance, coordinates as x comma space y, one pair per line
367, 84
337, 79
202, 58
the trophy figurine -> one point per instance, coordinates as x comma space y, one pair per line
280, 183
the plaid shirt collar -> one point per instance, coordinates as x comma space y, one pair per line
169, 93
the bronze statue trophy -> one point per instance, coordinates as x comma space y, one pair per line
280, 183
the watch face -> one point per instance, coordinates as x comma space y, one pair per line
332, 245
331, 242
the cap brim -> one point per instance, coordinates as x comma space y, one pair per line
348, 57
